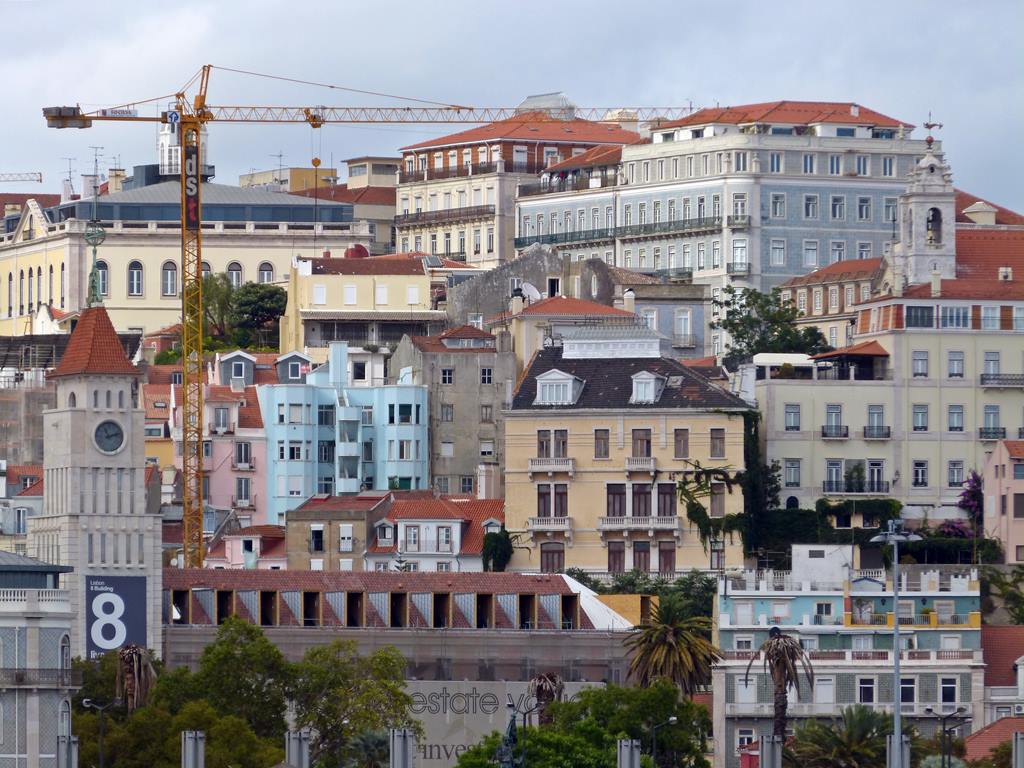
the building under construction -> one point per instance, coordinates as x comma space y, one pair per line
25, 391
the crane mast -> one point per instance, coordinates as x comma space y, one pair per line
190, 118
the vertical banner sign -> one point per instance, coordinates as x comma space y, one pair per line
115, 613
191, 160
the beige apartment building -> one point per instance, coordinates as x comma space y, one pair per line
1004, 497
827, 298
600, 431
456, 193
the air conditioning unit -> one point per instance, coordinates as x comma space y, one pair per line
1018, 709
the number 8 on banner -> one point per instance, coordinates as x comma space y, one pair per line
108, 609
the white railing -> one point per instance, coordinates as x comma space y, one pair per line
824, 657
563, 523
667, 523
551, 465
641, 463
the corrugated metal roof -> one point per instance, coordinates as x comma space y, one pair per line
169, 193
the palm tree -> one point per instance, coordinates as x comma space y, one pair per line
783, 658
546, 688
855, 740
674, 646
370, 749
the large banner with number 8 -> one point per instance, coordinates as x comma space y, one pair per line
115, 610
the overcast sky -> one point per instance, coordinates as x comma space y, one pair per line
964, 62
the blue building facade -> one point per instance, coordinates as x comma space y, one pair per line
844, 617
327, 437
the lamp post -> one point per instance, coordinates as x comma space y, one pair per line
894, 535
654, 737
101, 708
946, 733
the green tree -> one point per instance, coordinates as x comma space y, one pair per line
497, 550
99, 680
369, 749
217, 295
242, 673
253, 305
174, 689
855, 740
230, 742
546, 748
763, 322
1000, 757
783, 659
339, 694
1008, 586
672, 646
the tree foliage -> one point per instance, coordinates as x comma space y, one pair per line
254, 307
1008, 586
762, 322
672, 646
972, 498
340, 694
217, 294
784, 658
855, 740
584, 731
497, 550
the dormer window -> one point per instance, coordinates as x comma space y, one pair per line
554, 392
238, 370
384, 534
647, 387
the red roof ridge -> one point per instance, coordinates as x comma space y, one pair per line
540, 125
94, 348
981, 743
36, 489
789, 111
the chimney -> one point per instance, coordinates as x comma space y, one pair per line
115, 180
629, 300
67, 191
981, 213
516, 305
897, 281
854, 110
1006, 274
936, 284
90, 185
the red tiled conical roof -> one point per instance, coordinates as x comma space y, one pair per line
94, 348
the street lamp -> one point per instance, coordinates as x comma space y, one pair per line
101, 708
654, 737
946, 741
894, 535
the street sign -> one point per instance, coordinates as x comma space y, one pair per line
173, 117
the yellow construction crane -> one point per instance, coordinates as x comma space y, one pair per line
190, 115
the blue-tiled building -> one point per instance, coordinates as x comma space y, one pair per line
325, 436
844, 618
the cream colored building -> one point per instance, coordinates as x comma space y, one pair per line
288, 179
251, 235
600, 430
827, 298
1004, 497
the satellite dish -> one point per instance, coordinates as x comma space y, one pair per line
530, 292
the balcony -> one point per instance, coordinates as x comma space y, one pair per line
220, 429
856, 656
244, 466
991, 433
239, 502
741, 221
703, 225
835, 432
641, 464
842, 487
1005, 380
447, 215
737, 268
876, 432
550, 525
684, 340
572, 236
931, 619
576, 183
39, 678
650, 524
551, 466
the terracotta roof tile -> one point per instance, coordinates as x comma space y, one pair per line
162, 374
966, 200
16, 473
94, 348
45, 200
170, 330
981, 252
359, 196
368, 266
866, 348
419, 255
971, 288
624, 276
564, 306
1002, 645
466, 332
36, 489
535, 126
1015, 449
980, 743
152, 394
265, 531
854, 269
789, 113
358, 503
600, 155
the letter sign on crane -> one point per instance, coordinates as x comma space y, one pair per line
191, 160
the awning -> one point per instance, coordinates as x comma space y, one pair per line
863, 349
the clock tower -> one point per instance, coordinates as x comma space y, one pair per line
94, 507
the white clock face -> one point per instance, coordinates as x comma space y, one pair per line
109, 436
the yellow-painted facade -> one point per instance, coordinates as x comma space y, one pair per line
672, 544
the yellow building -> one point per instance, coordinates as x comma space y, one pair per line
368, 301
289, 179
599, 432
249, 234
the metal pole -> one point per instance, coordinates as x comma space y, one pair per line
897, 724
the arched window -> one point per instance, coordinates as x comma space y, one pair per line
95, 398
206, 269
64, 727
62, 285
30, 289
792, 503
235, 274
552, 558
102, 272
39, 285
120, 398
109, 400
266, 272
21, 292
49, 288
72, 401
169, 279
933, 226
65, 653
135, 278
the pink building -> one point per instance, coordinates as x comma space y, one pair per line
259, 547
1004, 497
234, 450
